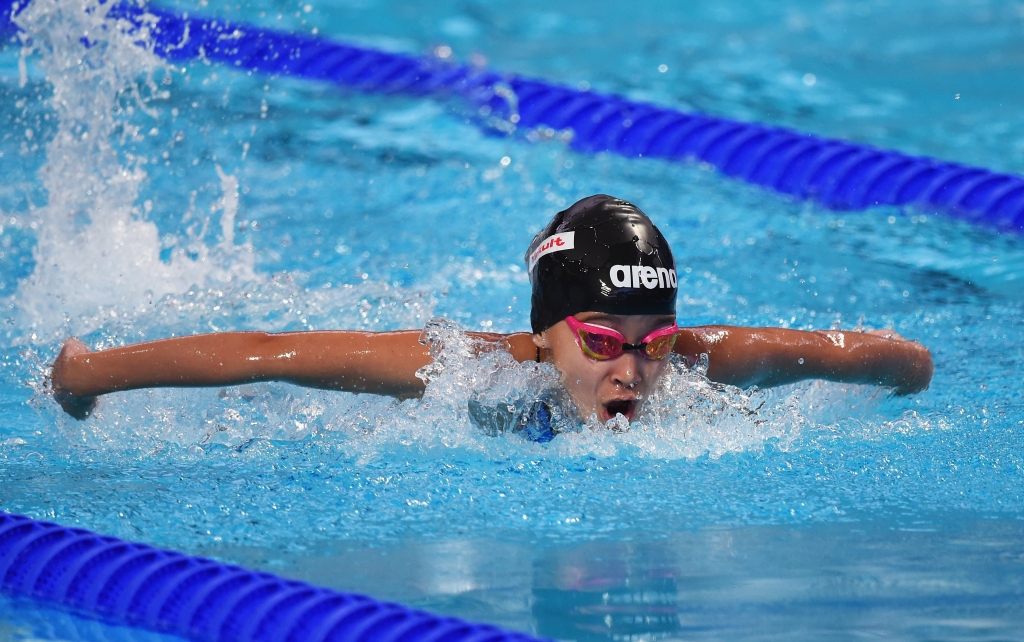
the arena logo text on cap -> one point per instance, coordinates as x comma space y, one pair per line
637, 276
555, 243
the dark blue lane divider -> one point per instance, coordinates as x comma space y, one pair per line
835, 173
200, 599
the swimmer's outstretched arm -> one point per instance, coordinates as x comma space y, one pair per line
375, 362
387, 362
768, 357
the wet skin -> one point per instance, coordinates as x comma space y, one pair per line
387, 362
610, 387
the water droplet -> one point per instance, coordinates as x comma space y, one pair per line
800, 361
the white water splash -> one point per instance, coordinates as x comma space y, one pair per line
97, 258
688, 416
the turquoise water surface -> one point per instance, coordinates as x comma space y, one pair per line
141, 201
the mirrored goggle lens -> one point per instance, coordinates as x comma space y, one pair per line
661, 347
599, 346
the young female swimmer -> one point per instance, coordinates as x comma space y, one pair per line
602, 311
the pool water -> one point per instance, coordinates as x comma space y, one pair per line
141, 201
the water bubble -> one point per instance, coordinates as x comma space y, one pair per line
107, 256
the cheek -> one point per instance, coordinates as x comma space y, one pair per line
581, 376
580, 373
569, 359
652, 371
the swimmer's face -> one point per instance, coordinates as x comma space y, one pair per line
615, 386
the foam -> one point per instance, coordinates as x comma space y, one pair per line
99, 268
687, 417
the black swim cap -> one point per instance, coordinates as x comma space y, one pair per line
600, 255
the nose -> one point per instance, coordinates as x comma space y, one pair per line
626, 372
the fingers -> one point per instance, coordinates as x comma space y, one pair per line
78, 407
920, 372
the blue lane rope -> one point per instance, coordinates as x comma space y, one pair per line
200, 599
838, 174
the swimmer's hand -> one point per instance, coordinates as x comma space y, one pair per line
917, 374
62, 381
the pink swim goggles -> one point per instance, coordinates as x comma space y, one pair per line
601, 343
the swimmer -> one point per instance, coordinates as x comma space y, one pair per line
602, 312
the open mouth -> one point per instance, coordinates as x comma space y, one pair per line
624, 407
